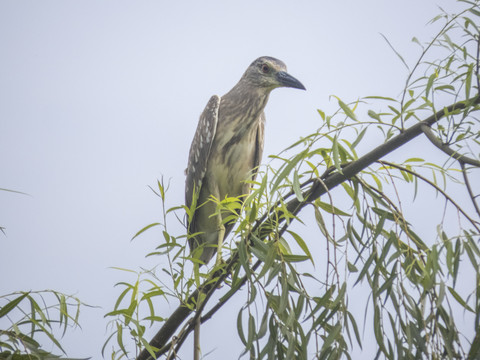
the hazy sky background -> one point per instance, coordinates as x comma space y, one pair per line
99, 99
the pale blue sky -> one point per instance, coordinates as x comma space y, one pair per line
98, 99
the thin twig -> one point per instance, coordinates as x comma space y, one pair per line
469, 188
473, 222
447, 149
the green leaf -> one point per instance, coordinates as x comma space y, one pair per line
12, 305
296, 187
322, 114
468, 81
288, 168
295, 258
145, 229
241, 334
460, 299
381, 98
444, 87
336, 157
120, 338
347, 110
415, 160
302, 245
395, 51
330, 208
332, 336
374, 115
359, 138
430, 81
352, 268
14, 191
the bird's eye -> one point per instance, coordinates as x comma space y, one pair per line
265, 69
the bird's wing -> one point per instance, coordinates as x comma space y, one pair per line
200, 148
259, 141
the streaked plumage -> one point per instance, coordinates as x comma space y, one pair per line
227, 147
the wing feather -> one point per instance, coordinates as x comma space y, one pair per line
200, 148
259, 141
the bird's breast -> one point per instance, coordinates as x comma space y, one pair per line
234, 159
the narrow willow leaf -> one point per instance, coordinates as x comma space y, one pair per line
474, 352
374, 115
460, 299
365, 268
359, 138
468, 81
288, 168
395, 51
444, 87
414, 159
347, 110
377, 321
282, 306
355, 328
120, 338
333, 335
407, 104
240, 332
296, 187
295, 258
263, 325
381, 98
330, 208
352, 268
269, 261
12, 305
251, 331
322, 114
335, 154
302, 245
430, 81
145, 229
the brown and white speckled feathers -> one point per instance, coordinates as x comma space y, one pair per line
200, 148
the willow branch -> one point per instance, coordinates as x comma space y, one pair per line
211, 312
473, 222
447, 149
334, 179
318, 188
469, 188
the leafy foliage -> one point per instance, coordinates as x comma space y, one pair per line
299, 303
29, 317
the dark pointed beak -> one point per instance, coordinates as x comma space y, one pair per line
287, 80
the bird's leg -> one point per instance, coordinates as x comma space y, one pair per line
221, 235
196, 339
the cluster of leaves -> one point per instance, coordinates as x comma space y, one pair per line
297, 305
29, 319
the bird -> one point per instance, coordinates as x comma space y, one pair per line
226, 151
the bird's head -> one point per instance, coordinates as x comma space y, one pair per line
269, 73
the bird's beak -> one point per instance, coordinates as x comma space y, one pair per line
287, 80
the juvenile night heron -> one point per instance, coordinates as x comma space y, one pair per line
227, 149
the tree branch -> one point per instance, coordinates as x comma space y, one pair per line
474, 223
469, 188
447, 149
318, 188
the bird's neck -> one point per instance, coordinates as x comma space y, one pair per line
246, 101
